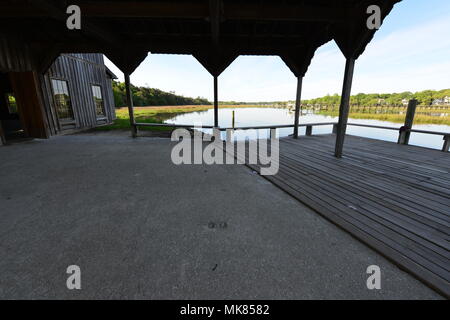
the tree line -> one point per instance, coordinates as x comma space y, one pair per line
144, 96
425, 98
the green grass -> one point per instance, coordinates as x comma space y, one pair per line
146, 115
124, 124
157, 115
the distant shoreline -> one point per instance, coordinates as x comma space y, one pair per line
200, 107
158, 114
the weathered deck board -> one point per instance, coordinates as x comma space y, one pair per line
395, 198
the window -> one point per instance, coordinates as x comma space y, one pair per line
98, 100
12, 104
62, 100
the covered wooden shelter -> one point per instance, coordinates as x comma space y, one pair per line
33, 33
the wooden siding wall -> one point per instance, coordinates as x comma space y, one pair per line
81, 71
15, 56
26, 89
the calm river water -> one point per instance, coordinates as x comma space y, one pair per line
276, 116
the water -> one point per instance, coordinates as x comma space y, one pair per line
277, 116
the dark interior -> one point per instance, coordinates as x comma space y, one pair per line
9, 114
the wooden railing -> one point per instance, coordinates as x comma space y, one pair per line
169, 125
279, 126
309, 126
402, 139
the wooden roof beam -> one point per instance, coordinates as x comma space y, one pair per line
190, 10
215, 62
299, 58
214, 16
88, 28
279, 12
353, 38
299, 61
127, 60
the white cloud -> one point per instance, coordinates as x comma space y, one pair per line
411, 59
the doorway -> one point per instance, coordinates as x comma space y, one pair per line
11, 125
21, 110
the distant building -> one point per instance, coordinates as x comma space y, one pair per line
75, 93
447, 101
405, 102
440, 102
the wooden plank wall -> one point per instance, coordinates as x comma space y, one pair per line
29, 101
81, 71
2, 135
15, 56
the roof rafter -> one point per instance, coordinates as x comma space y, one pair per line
193, 10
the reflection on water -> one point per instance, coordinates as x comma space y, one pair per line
276, 116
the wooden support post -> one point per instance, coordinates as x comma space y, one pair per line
446, 146
2, 132
335, 126
232, 119
129, 95
344, 107
2, 135
308, 130
297, 106
401, 135
404, 134
27, 91
216, 104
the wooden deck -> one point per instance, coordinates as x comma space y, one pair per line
394, 198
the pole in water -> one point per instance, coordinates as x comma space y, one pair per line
232, 119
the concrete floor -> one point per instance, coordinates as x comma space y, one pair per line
140, 227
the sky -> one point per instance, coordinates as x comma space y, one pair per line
411, 52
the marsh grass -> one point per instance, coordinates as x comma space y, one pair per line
397, 118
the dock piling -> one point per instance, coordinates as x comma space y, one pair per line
297, 106
404, 133
344, 107
446, 146
216, 104
129, 95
